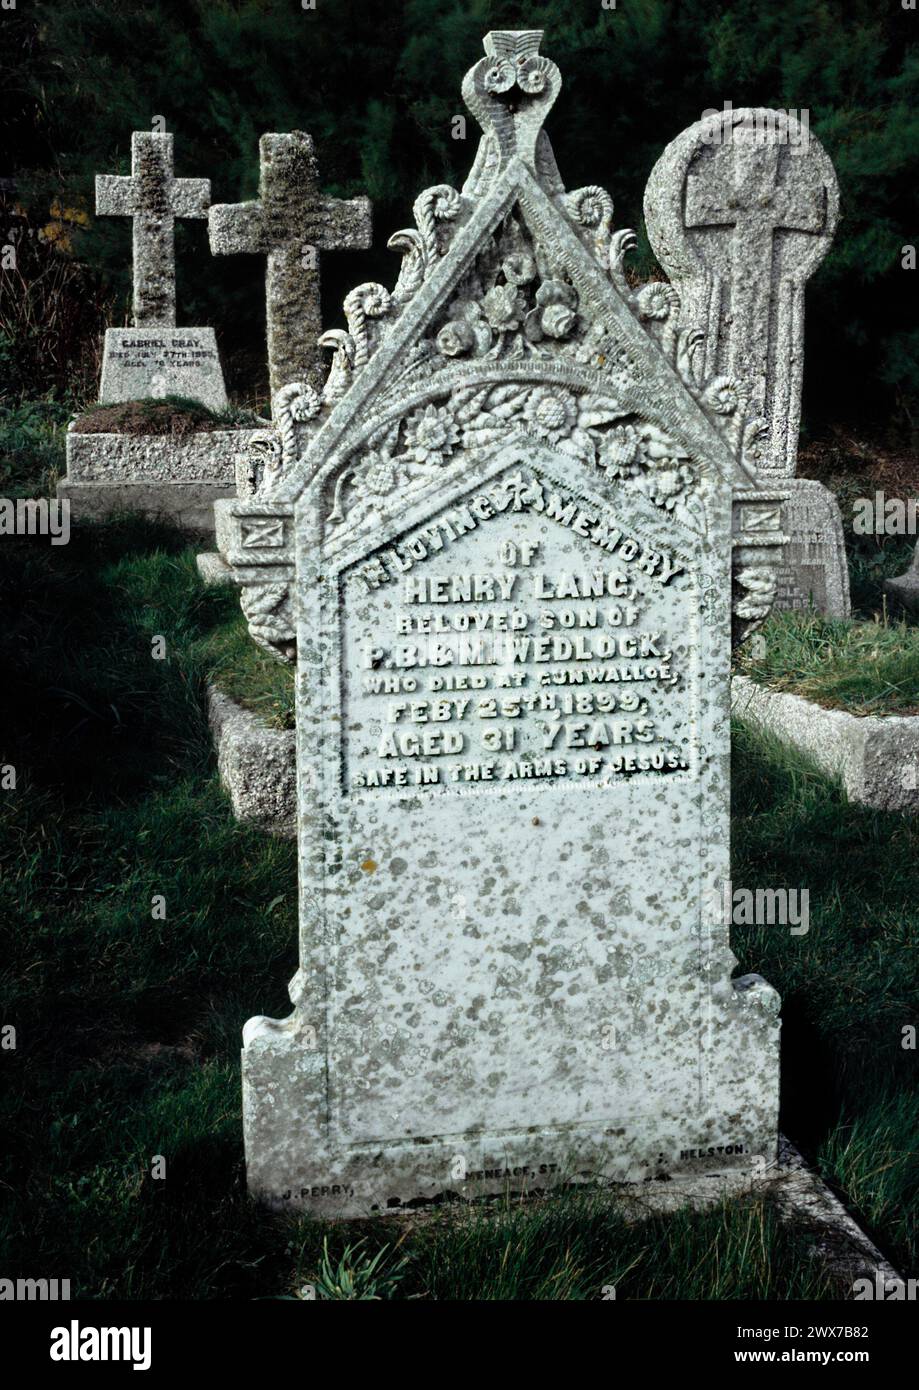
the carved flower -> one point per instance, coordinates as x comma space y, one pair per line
379, 474
519, 268
555, 315
722, 395
499, 76
532, 74
619, 452
658, 448
558, 321
455, 338
431, 435
504, 307
665, 486
551, 413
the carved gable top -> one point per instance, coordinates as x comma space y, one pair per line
512, 333
512, 314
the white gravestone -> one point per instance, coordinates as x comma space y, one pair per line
741, 209
155, 358
503, 545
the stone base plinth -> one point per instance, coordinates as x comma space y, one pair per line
257, 766
176, 478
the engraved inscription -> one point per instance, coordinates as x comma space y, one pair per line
517, 636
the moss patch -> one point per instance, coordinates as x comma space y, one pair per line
175, 416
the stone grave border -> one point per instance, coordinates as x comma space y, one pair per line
179, 478
868, 752
257, 766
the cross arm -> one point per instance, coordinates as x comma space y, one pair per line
191, 197
235, 228
114, 195
802, 209
344, 224
705, 206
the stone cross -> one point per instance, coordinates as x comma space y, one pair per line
509, 577
740, 212
748, 197
290, 223
154, 198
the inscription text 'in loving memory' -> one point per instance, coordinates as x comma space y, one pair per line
558, 650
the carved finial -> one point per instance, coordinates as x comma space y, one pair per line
511, 90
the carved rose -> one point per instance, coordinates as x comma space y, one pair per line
455, 338
519, 268
465, 330
431, 435
558, 321
555, 315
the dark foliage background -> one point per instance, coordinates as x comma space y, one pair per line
377, 83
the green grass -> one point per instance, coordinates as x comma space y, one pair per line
240, 669
863, 667
32, 446
572, 1245
849, 986
127, 1026
874, 1159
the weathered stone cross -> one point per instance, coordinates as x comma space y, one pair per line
757, 207
290, 223
154, 197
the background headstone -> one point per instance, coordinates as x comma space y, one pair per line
154, 358
814, 573
740, 211
513, 730
904, 590
290, 223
